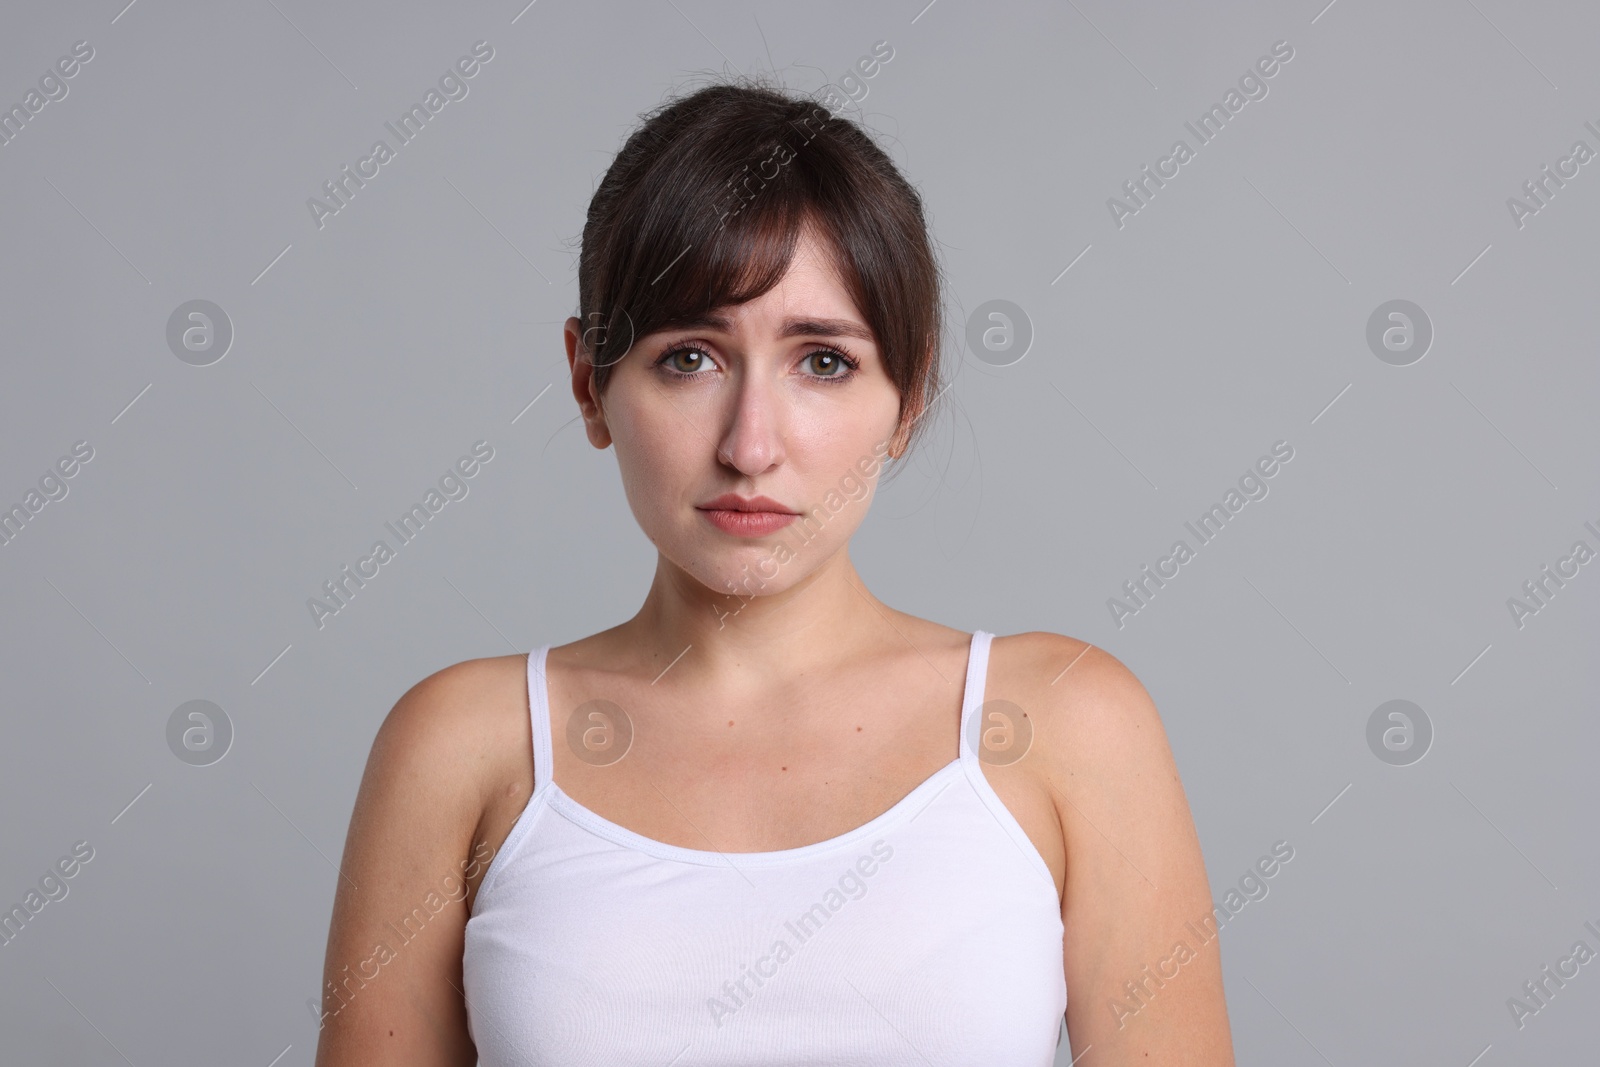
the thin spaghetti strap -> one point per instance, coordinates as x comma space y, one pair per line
972, 696
539, 719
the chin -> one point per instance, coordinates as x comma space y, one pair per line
741, 571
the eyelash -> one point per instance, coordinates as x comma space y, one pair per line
851, 364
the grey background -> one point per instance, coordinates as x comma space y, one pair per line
1228, 314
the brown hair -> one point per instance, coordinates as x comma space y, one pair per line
703, 207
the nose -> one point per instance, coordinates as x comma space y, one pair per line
752, 439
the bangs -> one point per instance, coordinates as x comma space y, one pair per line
714, 235
705, 204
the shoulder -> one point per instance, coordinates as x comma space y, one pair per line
468, 696
1101, 751
455, 724
1135, 875
1078, 688
1097, 736
411, 842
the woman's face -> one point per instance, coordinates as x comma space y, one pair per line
763, 401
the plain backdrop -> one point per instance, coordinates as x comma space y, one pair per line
1167, 349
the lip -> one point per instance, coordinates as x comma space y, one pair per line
735, 502
753, 517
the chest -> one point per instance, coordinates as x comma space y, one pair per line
929, 939
745, 814
765, 771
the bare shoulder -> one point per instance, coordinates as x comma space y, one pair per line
1086, 703
456, 708
447, 748
467, 726
413, 850
1135, 876
1098, 746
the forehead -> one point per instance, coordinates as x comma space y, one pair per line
810, 299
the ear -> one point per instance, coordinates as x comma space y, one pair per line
583, 385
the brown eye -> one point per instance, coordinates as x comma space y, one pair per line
683, 361
826, 363
832, 366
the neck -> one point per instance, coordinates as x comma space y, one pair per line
754, 635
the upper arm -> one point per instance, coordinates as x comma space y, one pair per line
1144, 984
392, 976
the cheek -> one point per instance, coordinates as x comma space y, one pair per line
835, 449
650, 469
654, 458
637, 427
837, 492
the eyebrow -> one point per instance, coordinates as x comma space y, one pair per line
791, 327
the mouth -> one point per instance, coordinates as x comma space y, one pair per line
735, 502
753, 517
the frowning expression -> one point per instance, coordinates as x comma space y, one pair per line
748, 420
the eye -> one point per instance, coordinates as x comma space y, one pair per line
687, 359
684, 360
832, 365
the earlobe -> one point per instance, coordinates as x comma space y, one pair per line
594, 420
593, 415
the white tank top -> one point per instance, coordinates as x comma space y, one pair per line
931, 935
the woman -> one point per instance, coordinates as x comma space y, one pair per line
769, 819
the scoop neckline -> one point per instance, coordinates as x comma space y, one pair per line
593, 821
584, 816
